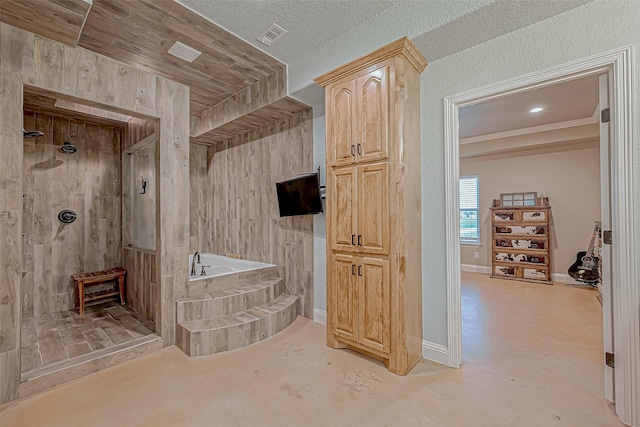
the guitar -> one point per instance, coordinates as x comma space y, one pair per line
585, 269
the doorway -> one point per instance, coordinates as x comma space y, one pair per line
617, 64
542, 144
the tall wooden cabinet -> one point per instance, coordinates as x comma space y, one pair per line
374, 250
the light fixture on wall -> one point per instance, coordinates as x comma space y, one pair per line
535, 110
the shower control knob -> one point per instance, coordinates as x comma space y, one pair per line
67, 216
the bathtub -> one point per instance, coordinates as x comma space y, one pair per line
222, 272
218, 265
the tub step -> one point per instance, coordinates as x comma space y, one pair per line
228, 301
209, 336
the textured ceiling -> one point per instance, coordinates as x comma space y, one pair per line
571, 100
488, 22
309, 23
324, 34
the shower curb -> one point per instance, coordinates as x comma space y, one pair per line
43, 379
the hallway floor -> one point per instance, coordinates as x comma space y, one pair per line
533, 357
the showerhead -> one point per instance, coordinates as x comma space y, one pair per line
68, 148
31, 134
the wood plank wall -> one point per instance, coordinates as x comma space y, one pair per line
78, 75
139, 210
234, 208
142, 290
87, 182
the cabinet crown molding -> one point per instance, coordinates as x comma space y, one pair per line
401, 47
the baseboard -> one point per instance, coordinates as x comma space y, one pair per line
483, 269
436, 353
559, 277
320, 316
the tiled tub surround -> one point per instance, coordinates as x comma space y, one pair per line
233, 310
223, 272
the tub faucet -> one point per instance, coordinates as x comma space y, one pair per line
193, 263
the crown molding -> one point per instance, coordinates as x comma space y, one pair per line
402, 47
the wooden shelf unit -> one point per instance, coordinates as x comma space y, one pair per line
520, 241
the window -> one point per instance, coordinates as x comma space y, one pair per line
469, 225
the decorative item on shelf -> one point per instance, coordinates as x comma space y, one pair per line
67, 216
518, 199
543, 201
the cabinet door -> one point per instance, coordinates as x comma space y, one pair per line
373, 209
373, 115
374, 328
342, 209
342, 129
344, 294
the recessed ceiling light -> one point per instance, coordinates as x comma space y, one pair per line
535, 110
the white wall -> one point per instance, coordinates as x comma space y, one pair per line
571, 181
319, 221
587, 30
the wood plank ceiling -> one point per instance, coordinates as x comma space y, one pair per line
139, 33
59, 20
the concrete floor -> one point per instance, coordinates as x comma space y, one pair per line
533, 357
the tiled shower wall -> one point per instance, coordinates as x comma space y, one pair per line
87, 182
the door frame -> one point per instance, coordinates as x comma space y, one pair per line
619, 64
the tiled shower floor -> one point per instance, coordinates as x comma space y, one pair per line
56, 337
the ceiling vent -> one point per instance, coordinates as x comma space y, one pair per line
182, 51
271, 35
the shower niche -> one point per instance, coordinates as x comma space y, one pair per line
139, 193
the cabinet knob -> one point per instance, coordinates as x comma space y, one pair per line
353, 239
353, 150
359, 239
359, 149
353, 269
360, 270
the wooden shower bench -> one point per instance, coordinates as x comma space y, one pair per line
83, 280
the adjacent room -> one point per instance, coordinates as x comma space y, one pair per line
328, 212
526, 160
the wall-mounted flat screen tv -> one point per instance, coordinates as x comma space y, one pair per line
299, 196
